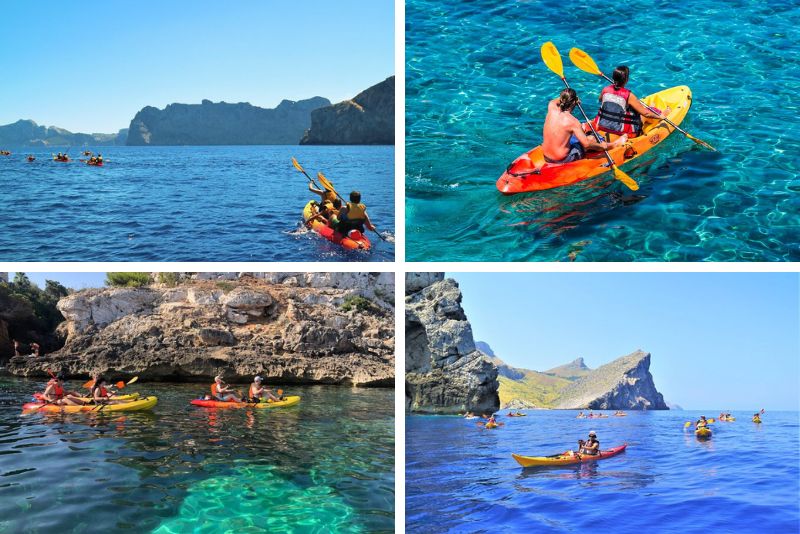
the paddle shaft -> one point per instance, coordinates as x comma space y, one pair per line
586, 118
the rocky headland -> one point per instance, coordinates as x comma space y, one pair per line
445, 373
329, 328
222, 123
366, 119
29, 134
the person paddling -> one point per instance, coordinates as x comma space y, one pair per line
353, 216
223, 392
258, 393
325, 194
328, 214
100, 393
702, 422
564, 137
55, 393
591, 446
620, 111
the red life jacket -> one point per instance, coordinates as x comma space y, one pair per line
58, 391
615, 116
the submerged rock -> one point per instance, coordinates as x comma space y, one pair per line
199, 328
366, 119
444, 371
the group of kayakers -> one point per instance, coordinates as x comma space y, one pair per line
257, 392
341, 218
592, 415
619, 118
5, 153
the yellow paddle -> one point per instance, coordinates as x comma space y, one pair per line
584, 61
552, 58
301, 169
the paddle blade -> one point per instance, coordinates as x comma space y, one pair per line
583, 61
89, 384
132, 380
297, 166
327, 184
701, 142
625, 179
120, 384
552, 58
280, 392
688, 424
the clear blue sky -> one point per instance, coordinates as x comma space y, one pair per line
90, 65
69, 280
718, 340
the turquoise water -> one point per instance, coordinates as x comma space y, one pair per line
326, 465
745, 478
476, 97
220, 203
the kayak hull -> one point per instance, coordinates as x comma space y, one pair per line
703, 432
361, 243
94, 164
530, 172
287, 401
565, 458
146, 403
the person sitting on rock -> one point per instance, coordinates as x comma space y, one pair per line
17, 346
258, 393
222, 391
590, 447
55, 393
34, 349
353, 216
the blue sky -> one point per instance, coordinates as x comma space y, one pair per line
718, 340
90, 65
70, 280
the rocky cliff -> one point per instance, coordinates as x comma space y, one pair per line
444, 371
624, 384
28, 133
221, 123
366, 119
288, 327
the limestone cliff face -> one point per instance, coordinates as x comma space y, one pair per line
444, 371
223, 124
367, 119
624, 384
288, 327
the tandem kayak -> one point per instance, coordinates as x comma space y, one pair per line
356, 241
566, 458
703, 432
62, 160
125, 398
530, 172
287, 401
134, 406
97, 164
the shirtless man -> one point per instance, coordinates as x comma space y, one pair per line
564, 137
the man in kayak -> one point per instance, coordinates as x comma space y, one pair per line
564, 137
702, 422
590, 447
223, 392
620, 110
353, 216
55, 393
258, 393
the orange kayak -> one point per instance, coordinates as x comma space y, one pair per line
357, 240
530, 172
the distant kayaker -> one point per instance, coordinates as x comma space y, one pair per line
99, 158
223, 392
580, 415
55, 393
325, 194
564, 137
591, 446
620, 110
353, 216
258, 393
702, 422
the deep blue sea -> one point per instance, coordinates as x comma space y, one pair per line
745, 478
189, 203
325, 465
476, 98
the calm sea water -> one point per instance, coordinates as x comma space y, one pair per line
746, 478
476, 97
231, 203
326, 465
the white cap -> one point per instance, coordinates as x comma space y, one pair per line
593, 433
258, 379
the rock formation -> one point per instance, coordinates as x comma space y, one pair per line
624, 384
444, 371
367, 119
28, 133
571, 371
288, 327
221, 123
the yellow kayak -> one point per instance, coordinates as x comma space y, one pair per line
146, 403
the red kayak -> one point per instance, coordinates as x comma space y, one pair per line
97, 164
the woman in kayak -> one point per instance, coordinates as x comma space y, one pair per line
258, 393
223, 392
100, 393
55, 393
620, 110
564, 136
326, 195
591, 447
328, 214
